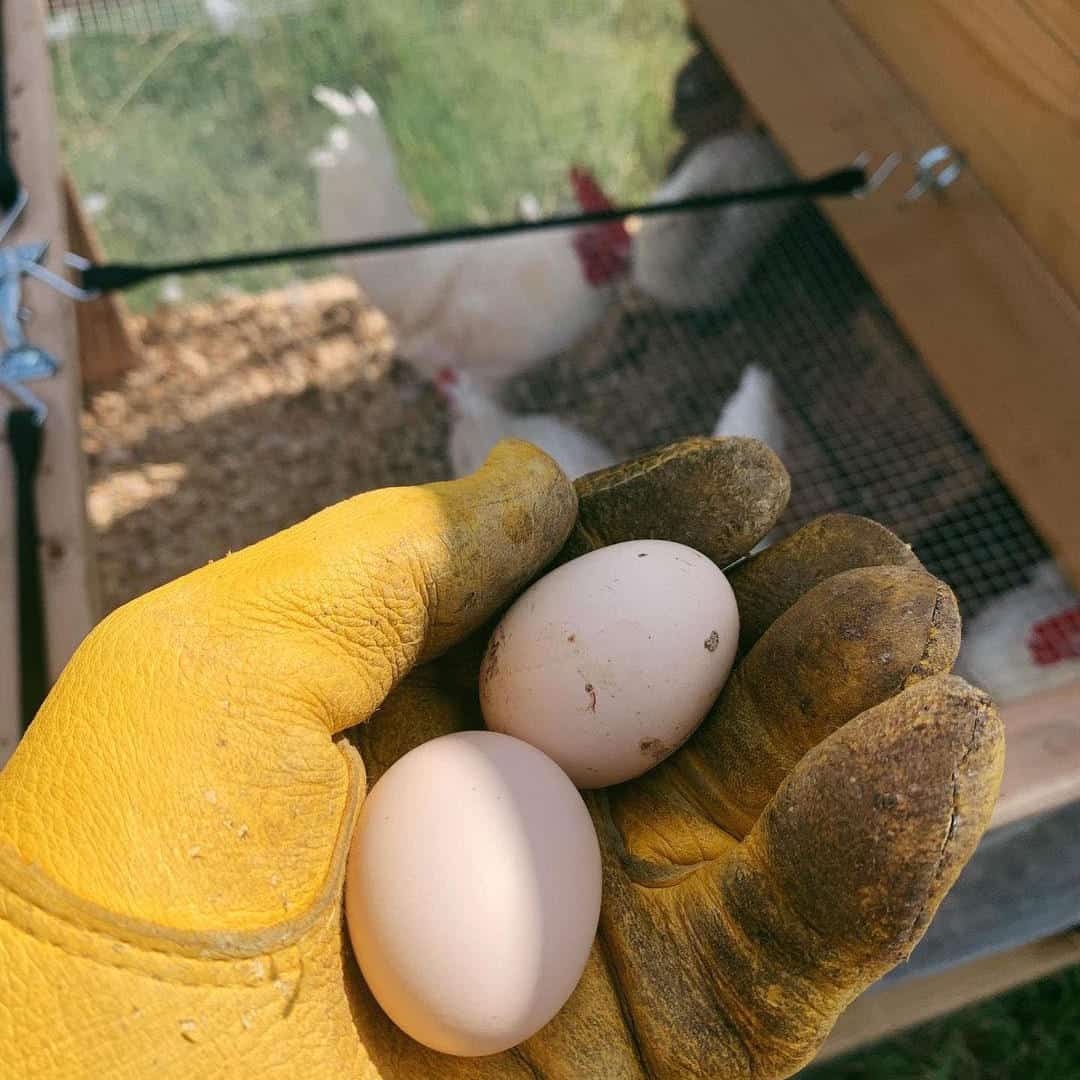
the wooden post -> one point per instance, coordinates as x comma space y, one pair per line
107, 347
67, 557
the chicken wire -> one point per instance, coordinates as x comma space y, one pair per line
865, 428
68, 18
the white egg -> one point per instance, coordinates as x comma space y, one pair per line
473, 891
610, 662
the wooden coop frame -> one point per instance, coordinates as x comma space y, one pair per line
985, 282
67, 557
990, 271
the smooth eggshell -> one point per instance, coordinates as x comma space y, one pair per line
610, 662
473, 891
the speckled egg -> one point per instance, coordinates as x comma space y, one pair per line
610, 662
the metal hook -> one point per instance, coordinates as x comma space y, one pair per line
23, 364
13, 264
77, 292
879, 175
66, 288
939, 167
32, 265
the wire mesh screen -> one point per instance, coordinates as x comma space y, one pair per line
250, 412
863, 426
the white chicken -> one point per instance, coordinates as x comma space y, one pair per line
704, 258
752, 411
478, 422
1025, 640
230, 17
494, 306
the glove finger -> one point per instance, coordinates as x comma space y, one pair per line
742, 969
211, 699
768, 583
589, 1037
848, 644
393, 1054
421, 708
324, 619
717, 495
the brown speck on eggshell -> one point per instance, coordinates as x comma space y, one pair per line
654, 749
631, 628
490, 666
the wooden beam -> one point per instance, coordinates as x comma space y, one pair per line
885, 1012
107, 347
1001, 78
1042, 755
67, 557
992, 324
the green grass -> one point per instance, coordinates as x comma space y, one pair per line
1032, 1033
201, 142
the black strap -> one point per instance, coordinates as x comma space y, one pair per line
114, 276
24, 432
9, 183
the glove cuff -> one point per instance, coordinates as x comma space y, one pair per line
84, 991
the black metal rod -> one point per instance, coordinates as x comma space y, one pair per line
25, 435
9, 182
110, 277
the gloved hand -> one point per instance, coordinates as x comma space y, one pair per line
174, 825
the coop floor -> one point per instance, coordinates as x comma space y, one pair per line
247, 415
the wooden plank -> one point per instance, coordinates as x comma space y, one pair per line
1061, 18
1042, 755
107, 347
67, 562
878, 1014
958, 56
992, 324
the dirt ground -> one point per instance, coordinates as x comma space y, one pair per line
247, 415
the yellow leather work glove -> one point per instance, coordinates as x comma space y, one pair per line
174, 825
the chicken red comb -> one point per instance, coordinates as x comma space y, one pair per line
1056, 638
590, 195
